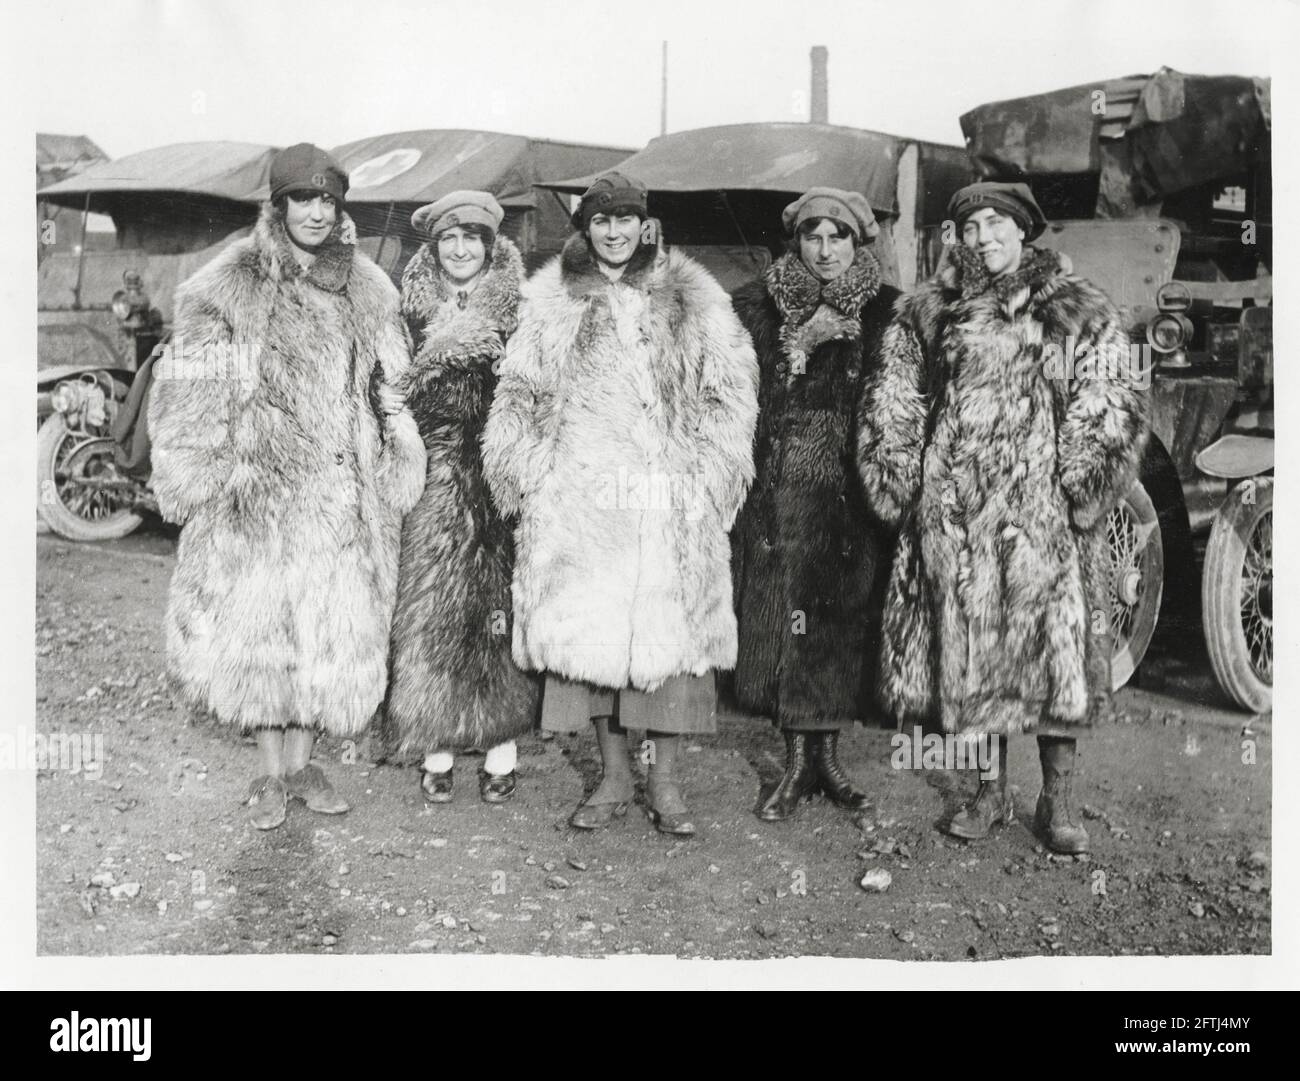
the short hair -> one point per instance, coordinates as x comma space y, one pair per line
806, 226
626, 210
477, 229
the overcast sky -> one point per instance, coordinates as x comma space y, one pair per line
135, 74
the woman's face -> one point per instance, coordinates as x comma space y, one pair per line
309, 216
824, 252
996, 237
461, 253
614, 238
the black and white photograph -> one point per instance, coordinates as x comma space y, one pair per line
752, 495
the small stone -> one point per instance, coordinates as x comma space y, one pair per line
1257, 861
714, 869
549, 865
876, 880
66, 828
126, 889
438, 842
162, 908
103, 879
449, 922
556, 882
905, 936
344, 869
529, 861
576, 864
329, 940
401, 911
203, 905
765, 929
1197, 909
173, 857
607, 928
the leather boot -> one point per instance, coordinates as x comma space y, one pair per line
1054, 818
797, 783
835, 783
989, 807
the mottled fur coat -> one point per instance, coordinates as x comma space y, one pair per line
807, 551
290, 481
621, 436
453, 683
1002, 478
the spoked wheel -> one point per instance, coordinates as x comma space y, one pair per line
1137, 566
80, 494
1237, 595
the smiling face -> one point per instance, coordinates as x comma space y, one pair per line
826, 248
614, 237
309, 216
461, 253
997, 239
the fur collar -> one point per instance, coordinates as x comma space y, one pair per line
332, 267
582, 275
812, 313
964, 273
448, 335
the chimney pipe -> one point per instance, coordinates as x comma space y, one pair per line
820, 91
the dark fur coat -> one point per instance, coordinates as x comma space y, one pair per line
1002, 476
807, 551
271, 447
453, 683
621, 435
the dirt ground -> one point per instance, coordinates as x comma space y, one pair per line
154, 856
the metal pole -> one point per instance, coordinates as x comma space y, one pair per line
81, 257
663, 98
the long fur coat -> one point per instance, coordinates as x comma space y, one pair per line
454, 684
807, 550
1002, 474
621, 435
271, 447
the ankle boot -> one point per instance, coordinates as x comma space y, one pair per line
797, 783
989, 807
834, 782
1054, 817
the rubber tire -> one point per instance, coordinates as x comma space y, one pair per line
1124, 664
1225, 557
53, 511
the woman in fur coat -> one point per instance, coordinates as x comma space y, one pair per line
806, 548
1007, 419
282, 446
454, 685
621, 437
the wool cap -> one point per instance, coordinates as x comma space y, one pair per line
304, 167
608, 192
848, 207
1016, 201
459, 208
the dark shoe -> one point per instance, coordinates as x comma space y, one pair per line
799, 782
675, 823
310, 786
596, 816
1054, 819
835, 784
989, 807
496, 787
267, 802
436, 786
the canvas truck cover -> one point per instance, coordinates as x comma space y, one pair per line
392, 175
1170, 131
790, 158
720, 191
